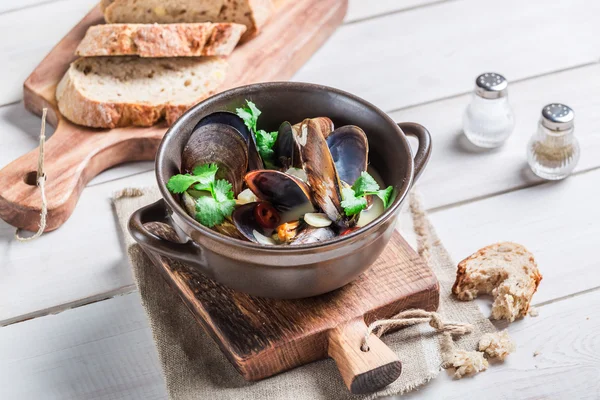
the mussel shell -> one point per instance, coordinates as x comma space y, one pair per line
285, 192
313, 235
220, 144
349, 149
285, 148
325, 125
321, 172
245, 222
231, 119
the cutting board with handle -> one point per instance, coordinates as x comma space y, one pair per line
262, 337
76, 154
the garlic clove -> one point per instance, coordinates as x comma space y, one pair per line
318, 220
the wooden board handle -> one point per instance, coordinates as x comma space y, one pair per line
362, 371
73, 156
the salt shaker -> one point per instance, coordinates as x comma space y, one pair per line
553, 151
488, 120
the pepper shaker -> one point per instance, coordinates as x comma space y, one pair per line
553, 151
488, 120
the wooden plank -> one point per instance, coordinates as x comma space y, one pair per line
14, 5
557, 222
101, 351
361, 9
405, 62
433, 52
565, 338
105, 351
457, 171
82, 261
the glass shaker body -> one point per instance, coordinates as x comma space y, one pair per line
553, 151
488, 122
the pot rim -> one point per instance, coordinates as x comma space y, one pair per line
339, 241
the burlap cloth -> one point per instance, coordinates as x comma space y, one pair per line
195, 368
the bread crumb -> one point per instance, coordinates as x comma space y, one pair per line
533, 312
465, 362
497, 345
536, 353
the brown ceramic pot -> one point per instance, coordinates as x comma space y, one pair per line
285, 271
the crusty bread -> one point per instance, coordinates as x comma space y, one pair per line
507, 271
166, 40
109, 92
251, 13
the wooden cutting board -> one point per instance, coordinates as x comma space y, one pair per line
262, 337
75, 154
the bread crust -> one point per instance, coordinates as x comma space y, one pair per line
252, 13
74, 105
165, 40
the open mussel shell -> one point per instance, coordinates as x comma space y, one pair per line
220, 144
245, 222
233, 120
313, 235
349, 149
285, 192
321, 172
325, 125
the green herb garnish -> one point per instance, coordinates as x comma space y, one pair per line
211, 209
264, 140
354, 200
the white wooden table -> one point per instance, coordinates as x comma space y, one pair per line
72, 323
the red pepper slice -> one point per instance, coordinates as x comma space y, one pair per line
349, 230
266, 215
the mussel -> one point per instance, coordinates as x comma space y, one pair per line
285, 192
321, 172
220, 144
231, 119
349, 149
288, 195
287, 152
313, 235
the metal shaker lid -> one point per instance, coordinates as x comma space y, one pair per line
491, 85
558, 117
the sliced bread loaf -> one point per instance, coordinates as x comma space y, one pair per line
167, 40
109, 92
251, 13
505, 270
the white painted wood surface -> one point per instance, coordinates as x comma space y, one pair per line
414, 58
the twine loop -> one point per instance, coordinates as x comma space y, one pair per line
414, 317
41, 183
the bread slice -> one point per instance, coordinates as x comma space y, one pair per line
251, 13
507, 271
154, 40
109, 92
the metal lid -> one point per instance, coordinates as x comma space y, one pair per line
491, 85
558, 117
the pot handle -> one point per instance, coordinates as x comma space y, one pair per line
157, 212
424, 149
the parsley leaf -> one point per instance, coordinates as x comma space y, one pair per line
208, 211
351, 203
206, 175
181, 183
365, 183
354, 200
384, 194
249, 114
264, 140
264, 144
211, 209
